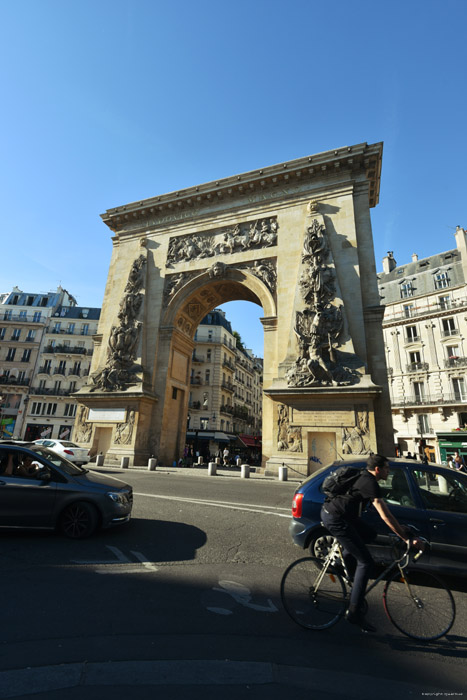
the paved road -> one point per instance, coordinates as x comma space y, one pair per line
184, 600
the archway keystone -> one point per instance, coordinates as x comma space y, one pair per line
295, 239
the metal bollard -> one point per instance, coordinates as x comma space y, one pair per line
245, 471
239, 461
99, 460
282, 473
125, 462
200, 460
152, 464
218, 460
212, 469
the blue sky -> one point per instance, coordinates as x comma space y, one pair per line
110, 101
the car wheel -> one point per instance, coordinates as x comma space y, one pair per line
320, 544
79, 520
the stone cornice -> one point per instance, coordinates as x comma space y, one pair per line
361, 158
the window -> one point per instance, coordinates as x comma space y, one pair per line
442, 491
37, 317
23, 315
2, 333
452, 351
209, 355
7, 315
444, 303
406, 290
57, 386
36, 408
42, 383
209, 335
57, 327
10, 354
71, 328
76, 368
423, 424
396, 489
47, 366
16, 334
26, 355
441, 280
419, 390
412, 333
85, 329
72, 386
69, 410
207, 375
204, 423
408, 310
458, 385
30, 336
21, 376
449, 326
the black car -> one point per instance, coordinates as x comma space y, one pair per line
429, 497
42, 490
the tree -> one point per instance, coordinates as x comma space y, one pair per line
238, 340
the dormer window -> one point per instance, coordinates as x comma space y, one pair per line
441, 280
406, 290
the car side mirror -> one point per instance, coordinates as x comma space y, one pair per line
44, 474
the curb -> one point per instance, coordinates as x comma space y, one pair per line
336, 684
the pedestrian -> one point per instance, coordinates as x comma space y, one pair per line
341, 517
225, 455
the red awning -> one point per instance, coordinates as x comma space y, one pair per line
250, 440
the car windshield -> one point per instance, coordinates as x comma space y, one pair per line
59, 461
67, 443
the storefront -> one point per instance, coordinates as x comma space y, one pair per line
449, 443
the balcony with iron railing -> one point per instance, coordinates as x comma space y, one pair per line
424, 310
447, 332
42, 391
228, 386
14, 381
196, 381
196, 405
197, 358
67, 350
227, 409
44, 370
417, 367
455, 362
429, 400
29, 318
412, 338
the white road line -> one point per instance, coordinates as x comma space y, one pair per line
220, 504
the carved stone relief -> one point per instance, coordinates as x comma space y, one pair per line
119, 372
319, 326
124, 431
83, 429
241, 237
356, 439
175, 282
266, 270
288, 437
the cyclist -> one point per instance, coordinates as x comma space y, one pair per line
341, 516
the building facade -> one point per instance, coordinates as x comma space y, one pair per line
45, 354
225, 388
425, 334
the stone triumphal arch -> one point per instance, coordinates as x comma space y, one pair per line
294, 238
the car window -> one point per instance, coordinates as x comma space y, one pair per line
59, 461
66, 443
442, 490
395, 489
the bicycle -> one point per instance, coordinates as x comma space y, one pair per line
315, 594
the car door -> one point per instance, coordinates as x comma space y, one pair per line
444, 495
26, 502
403, 501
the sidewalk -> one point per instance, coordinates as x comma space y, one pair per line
201, 470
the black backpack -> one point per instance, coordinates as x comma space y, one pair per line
340, 481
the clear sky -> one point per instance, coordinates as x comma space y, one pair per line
105, 102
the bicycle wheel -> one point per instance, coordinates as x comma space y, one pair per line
313, 601
419, 605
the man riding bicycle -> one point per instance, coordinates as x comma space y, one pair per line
341, 517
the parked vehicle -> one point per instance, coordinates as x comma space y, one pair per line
70, 450
429, 497
40, 489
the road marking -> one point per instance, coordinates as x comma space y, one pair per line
121, 566
221, 504
242, 595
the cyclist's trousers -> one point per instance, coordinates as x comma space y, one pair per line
352, 537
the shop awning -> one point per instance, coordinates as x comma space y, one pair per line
250, 440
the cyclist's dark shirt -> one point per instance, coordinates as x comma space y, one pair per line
364, 490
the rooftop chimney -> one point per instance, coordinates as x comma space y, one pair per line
414, 257
388, 262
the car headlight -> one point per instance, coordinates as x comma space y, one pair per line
117, 497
